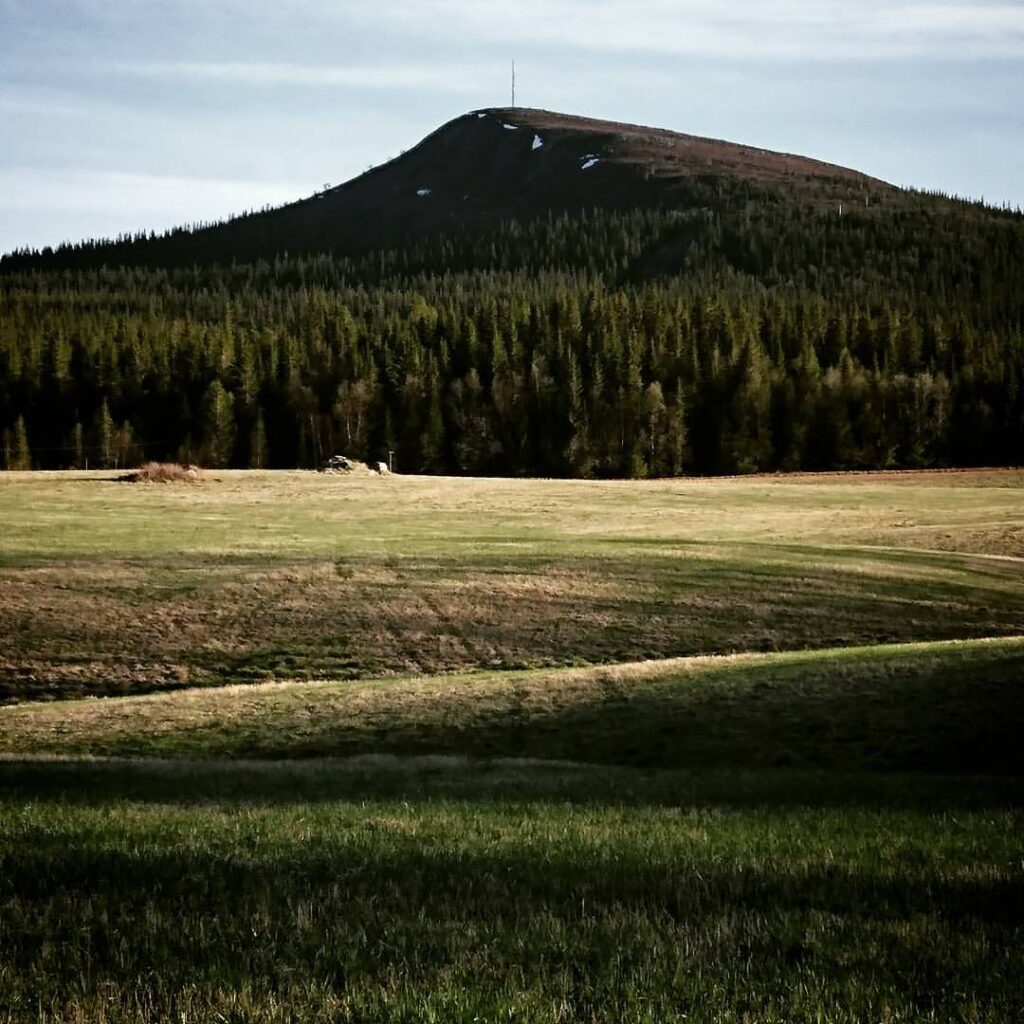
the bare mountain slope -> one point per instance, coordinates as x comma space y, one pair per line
492, 165
495, 165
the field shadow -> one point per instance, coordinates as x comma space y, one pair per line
549, 880
91, 628
433, 779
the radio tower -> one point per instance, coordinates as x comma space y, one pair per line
513, 83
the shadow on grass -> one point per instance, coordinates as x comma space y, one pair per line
432, 779
953, 710
459, 610
442, 876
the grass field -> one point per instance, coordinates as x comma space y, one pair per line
445, 892
110, 588
435, 750
953, 706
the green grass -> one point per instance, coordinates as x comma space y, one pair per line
449, 868
954, 707
436, 891
814, 816
63, 516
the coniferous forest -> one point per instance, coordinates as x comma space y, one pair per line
743, 332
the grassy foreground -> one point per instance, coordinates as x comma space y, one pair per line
805, 806
434, 890
452, 870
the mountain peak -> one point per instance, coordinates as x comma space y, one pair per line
658, 151
501, 164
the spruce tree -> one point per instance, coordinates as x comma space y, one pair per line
218, 426
105, 436
124, 446
21, 455
676, 431
258, 443
655, 415
78, 442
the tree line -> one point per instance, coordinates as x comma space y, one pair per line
747, 337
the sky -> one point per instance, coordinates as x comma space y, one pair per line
126, 115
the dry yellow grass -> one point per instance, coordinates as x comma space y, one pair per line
109, 589
301, 512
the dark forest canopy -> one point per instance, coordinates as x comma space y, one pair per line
747, 329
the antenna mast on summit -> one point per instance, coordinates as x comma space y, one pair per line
513, 83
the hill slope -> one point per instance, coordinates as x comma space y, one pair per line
911, 707
495, 165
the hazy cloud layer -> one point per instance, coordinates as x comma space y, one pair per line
400, 77
134, 195
803, 29
828, 30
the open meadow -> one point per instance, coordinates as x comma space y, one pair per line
287, 746
109, 588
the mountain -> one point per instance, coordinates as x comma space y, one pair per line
528, 293
495, 165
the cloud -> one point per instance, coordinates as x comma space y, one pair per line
46, 207
33, 102
197, 95
131, 198
471, 85
791, 29
463, 78
310, 32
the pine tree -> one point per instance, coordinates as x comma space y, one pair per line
433, 439
21, 455
655, 414
105, 436
578, 453
677, 448
258, 443
78, 442
531, 348
218, 426
125, 453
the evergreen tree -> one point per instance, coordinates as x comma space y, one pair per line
78, 443
776, 337
218, 426
105, 436
21, 454
125, 451
258, 443
656, 416
578, 453
676, 432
